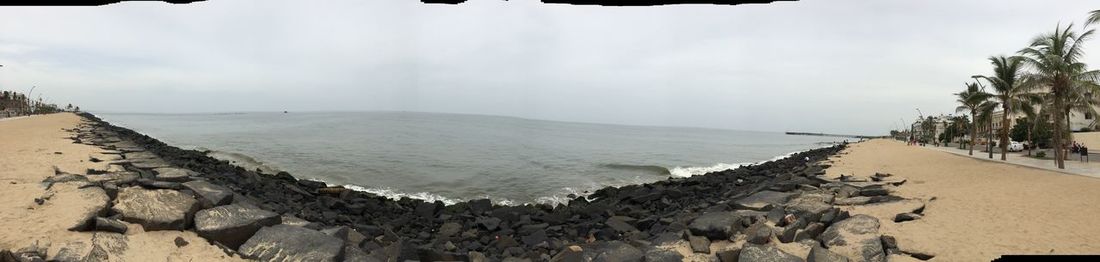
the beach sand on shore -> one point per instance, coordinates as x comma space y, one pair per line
981, 209
27, 156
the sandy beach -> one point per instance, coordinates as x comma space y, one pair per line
973, 210
978, 210
31, 147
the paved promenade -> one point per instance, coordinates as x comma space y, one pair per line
1089, 169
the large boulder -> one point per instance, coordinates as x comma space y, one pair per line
856, 237
98, 207
851, 201
109, 225
122, 177
663, 255
291, 243
759, 233
765, 253
699, 244
106, 246
614, 251
210, 195
715, 225
159, 209
569, 254
151, 163
621, 224
820, 254
174, 174
232, 225
810, 206
763, 200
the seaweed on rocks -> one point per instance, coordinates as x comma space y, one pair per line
405, 229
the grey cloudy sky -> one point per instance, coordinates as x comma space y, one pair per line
840, 66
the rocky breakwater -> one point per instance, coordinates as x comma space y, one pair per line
781, 209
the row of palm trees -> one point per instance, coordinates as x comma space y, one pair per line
1045, 79
15, 103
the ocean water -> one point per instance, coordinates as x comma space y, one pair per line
454, 157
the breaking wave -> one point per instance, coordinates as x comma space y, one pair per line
694, 171
241, 160
647, 168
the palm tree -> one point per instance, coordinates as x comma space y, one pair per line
1028, 108
985, 115
971, 99
962, 124
928, 128
1056, 62
1094, 17
1007, 90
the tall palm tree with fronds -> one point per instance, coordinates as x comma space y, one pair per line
1056, 62
1030, 109
985, 117
970, 99
1008, 91
1094, 17
962, 124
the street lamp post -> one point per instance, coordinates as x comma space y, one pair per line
29, 102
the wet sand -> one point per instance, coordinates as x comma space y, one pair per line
977, 210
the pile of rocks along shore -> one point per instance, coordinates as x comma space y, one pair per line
744, 213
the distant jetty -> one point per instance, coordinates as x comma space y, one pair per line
833, 135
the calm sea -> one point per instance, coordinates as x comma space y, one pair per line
452, 157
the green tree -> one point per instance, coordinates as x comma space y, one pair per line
1056, 62
1008, 91
970, 99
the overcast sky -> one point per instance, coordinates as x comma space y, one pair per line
838, 66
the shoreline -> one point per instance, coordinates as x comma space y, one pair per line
552, 196
787, 200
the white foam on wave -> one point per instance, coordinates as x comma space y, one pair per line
395, 195
699, 170
681, 172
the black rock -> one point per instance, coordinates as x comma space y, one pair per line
291, 243
528, 229
662, 255
449, 229
428, 209
759, 233
156, 184
621, 224
699, 244
752, 252
209, 195
716, 225
534, 239
810, 232
820, 254
310, 184
180, 242
489, 223
110, 225
730, 255
874, 191
617, 251
155, 209
906, 217
480, 206
889, 242
428, 254
232, 225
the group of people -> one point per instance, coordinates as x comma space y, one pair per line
1081, 150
